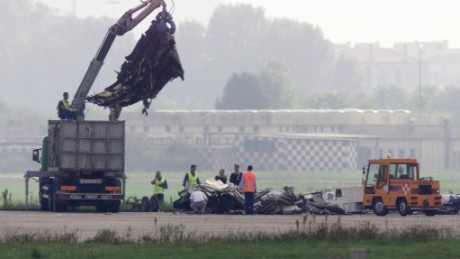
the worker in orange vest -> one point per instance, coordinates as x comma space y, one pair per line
248, 186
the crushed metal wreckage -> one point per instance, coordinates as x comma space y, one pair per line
151, 65
450, 204
227, 199
335, 201
222, 198
278, 202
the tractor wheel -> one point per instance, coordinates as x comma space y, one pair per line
154, 204
430, 213
145, 204
403, 208
378, 207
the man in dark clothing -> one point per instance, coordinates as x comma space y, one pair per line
235, 177
221, 176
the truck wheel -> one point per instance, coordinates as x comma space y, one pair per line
113, 206
59, 206
154, 204
378, 207
145, 204
50, 202
403, 208
101, 207
430, 213
43, 203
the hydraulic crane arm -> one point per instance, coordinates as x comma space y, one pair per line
123, 25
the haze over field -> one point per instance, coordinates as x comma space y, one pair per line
341, 21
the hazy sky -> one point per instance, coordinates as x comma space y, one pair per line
340, 20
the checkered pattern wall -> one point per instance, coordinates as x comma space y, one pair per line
285, 154
216, 158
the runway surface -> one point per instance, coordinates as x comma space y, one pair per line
138, 224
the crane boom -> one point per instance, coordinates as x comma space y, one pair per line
123, 25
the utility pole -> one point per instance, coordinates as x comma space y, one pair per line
74, 7
113, 3
420, 107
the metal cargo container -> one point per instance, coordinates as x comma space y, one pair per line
86, 146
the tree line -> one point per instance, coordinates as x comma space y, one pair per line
241, 60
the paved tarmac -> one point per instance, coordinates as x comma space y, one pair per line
87, 224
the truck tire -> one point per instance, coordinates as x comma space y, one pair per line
101, 207
403, 208
50, 202
51, 197
378, 207
60, 206
113, 206
43, 203
154, 204
145, 204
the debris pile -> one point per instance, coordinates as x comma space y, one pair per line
315, 204
151, 65
336, 201
226, 199
450, 204
222, 198
279, 202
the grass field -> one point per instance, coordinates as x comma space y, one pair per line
237, 249
138, 184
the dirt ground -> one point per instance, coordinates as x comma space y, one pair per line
87, 224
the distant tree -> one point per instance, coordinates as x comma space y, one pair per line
345, 76
234, 37
448, 100
391, 97
240, 38
304, 50
327, 100
241, 92
44, 54
271, 88
2, 106
276, 85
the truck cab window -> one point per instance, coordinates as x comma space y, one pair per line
382, 179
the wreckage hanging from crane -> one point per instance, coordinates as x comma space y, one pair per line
151, 65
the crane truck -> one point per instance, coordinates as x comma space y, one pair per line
82, 161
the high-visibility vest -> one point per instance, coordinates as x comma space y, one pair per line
159, 189
65, 103
192, 180
249, 182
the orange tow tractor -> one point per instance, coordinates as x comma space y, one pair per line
395, 184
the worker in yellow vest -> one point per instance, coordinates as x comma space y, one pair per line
248, 187
63, 108
191, 178
160, 184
